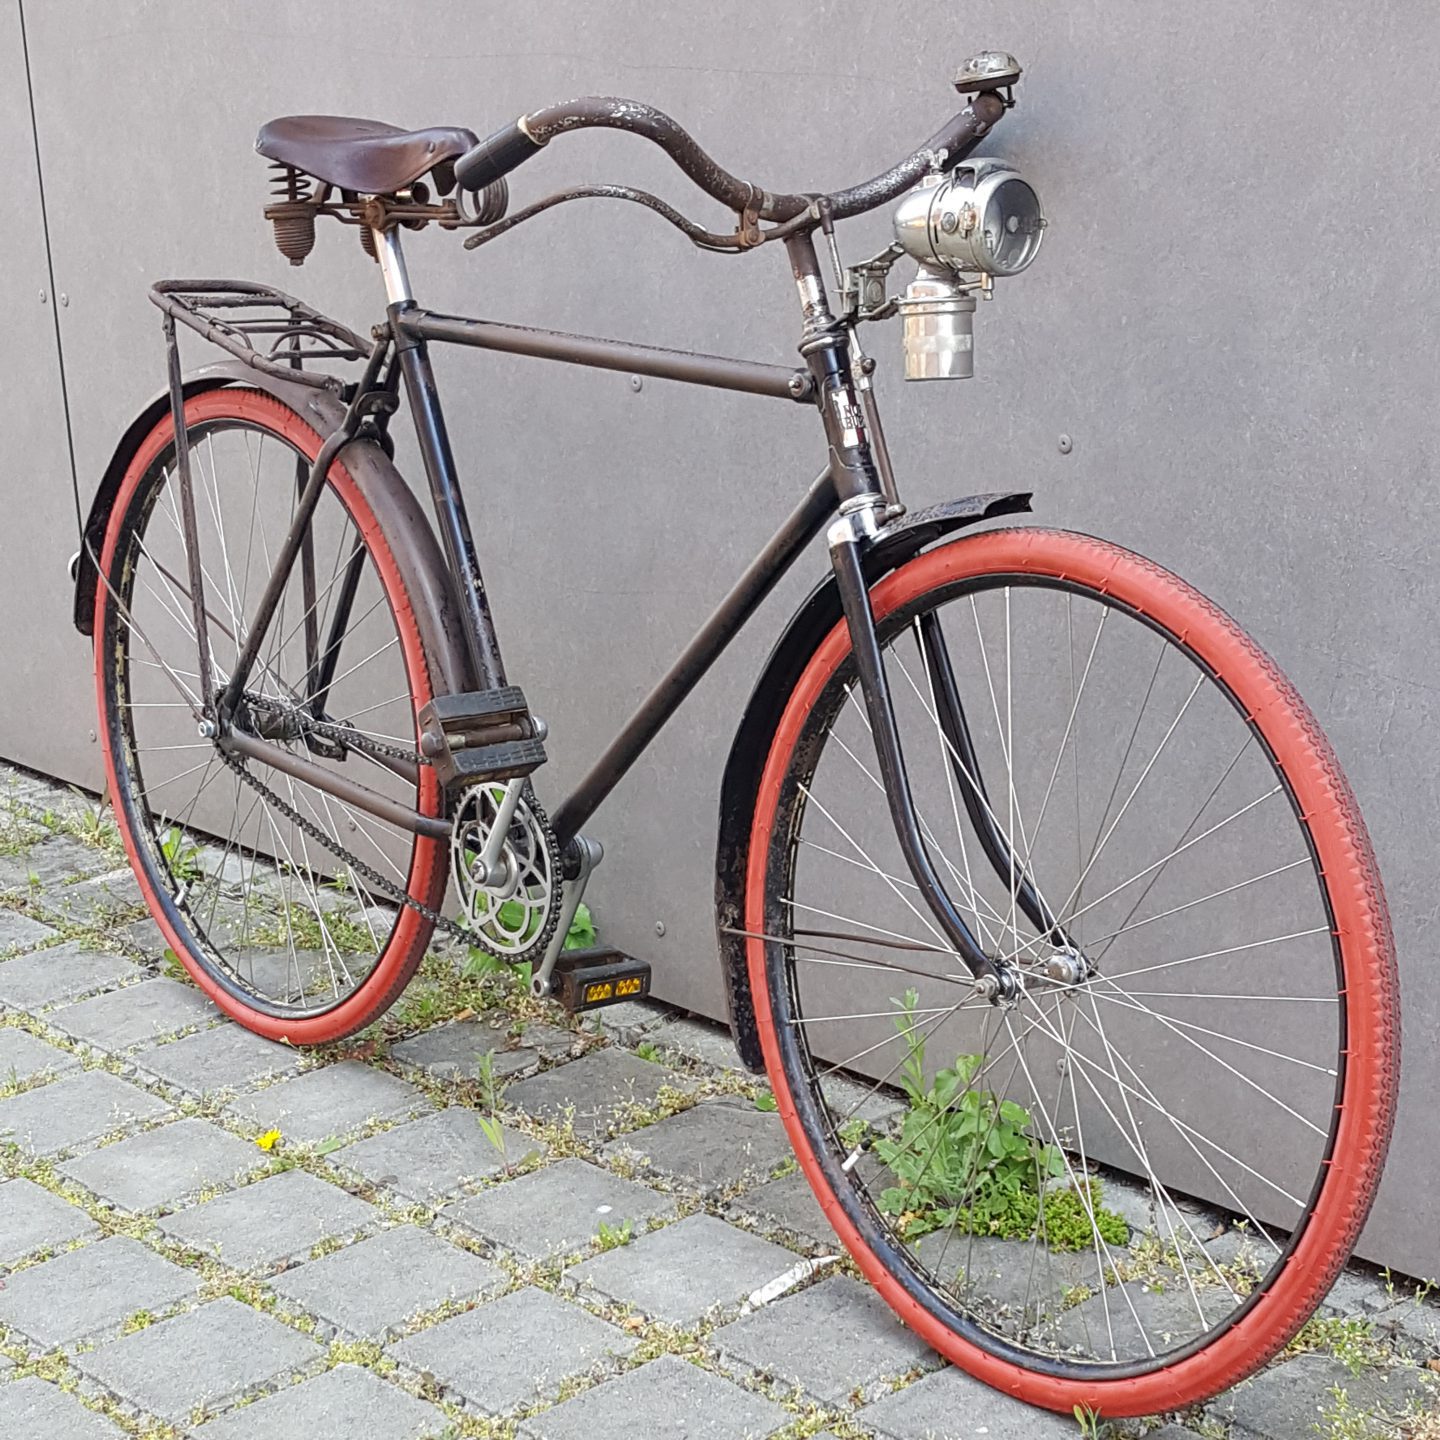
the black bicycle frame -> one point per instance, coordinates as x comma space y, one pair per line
854, 492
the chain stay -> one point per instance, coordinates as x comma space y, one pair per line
347, 736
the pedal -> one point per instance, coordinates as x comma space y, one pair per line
481, 735
504, 761
590, 979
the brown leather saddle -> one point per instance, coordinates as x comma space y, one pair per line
365, 156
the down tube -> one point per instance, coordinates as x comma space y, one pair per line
765, 571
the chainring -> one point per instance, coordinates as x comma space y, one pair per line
515, 913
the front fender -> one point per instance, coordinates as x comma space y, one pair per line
817, 616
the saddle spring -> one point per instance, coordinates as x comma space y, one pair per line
290, 213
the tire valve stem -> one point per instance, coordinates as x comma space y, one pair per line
853, 1158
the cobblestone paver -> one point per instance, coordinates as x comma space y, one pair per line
20, 932
201, 1360
34, 1410
278, 1219
23, 1058
715, 1146
513, 1351
951, 1404
160, 1167
558, 1209
208, 1236
91, 1291
864, 1345
75, 1111
32, 1219
429, 1160
137, 1015
682, 1399
373, 1289
593, 1094
345, 1403
334, 1101
63, 972
220, 1060
685, 1271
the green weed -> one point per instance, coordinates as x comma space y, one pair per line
966, 1158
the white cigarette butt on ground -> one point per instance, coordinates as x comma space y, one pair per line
786, 1282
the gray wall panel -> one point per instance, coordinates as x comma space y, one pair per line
1233, 318
46, 696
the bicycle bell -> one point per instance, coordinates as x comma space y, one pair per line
981, 221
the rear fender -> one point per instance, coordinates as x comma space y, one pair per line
437, 611
816, 617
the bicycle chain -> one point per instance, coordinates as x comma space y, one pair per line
346, 736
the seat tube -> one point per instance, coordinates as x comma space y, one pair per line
434, 440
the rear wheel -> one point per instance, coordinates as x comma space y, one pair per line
1130, 1188
252, 876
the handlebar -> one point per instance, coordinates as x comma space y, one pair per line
505, 150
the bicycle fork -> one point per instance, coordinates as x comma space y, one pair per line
860, 470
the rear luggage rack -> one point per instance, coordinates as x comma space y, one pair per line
269, 330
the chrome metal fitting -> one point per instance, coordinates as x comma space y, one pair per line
982, 218
938, 315
859, 519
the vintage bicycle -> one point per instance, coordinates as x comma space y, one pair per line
1041, 898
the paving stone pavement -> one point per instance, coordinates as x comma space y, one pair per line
513, 1351
34, 1410
865, 1346
430, 1160
686, 1271
141, 1014
374, 1289
24, 1058
278, 1219
228, 1349
91, 1291
558, 1209
1296, 1397
160, 1167
953, 1405
715, 1145
220, 1060
391, 1268
75, 1112
336, 1100
345, 1403
33, 1219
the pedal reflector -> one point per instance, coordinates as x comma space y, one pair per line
590, 979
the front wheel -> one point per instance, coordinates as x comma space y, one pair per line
1130, 1187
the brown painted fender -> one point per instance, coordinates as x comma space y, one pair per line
406, 527
816, 617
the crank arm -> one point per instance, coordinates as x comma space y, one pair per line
541, 979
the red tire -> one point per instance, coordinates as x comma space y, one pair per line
426, 877
1349, 1176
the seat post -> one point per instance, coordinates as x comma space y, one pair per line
392, 266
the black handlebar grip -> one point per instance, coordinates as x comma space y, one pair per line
494, 157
